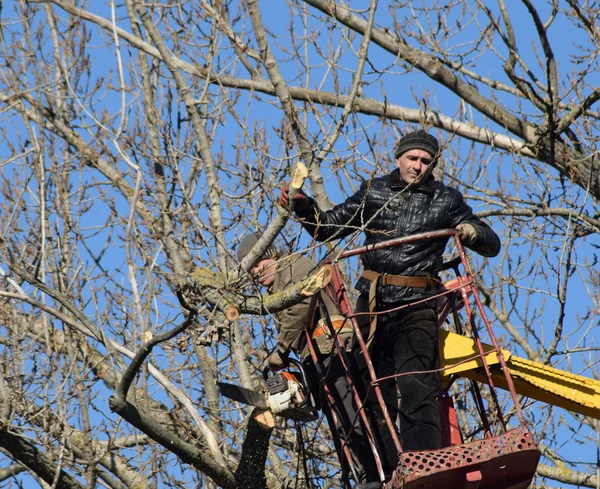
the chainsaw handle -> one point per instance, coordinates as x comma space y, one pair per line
303, 380
291, 361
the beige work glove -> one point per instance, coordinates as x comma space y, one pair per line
277, 361
468, 235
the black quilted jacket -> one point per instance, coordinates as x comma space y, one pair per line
386, 208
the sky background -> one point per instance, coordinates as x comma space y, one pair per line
402, 90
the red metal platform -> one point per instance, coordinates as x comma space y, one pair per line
507, 461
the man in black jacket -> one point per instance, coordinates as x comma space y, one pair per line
407, 201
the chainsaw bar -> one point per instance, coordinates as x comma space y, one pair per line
243, 395
259, 400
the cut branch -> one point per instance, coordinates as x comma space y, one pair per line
299, 174
212, 287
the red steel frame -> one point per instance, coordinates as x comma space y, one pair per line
455, 469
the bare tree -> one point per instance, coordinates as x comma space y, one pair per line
142, 141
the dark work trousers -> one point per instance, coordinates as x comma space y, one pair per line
331, 373
404, 341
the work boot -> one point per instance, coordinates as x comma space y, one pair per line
367, 485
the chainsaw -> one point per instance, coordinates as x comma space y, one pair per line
285, 394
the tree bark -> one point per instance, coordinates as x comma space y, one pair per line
36, 461
251, 469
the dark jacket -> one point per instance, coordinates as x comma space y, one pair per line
386, 208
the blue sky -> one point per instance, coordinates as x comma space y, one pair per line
401, 91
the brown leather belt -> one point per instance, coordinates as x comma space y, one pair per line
402, 280
375, 278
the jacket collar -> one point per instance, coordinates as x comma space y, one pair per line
396, 183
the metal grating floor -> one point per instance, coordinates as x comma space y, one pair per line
507, 461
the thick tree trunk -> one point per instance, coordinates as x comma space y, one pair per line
251, 469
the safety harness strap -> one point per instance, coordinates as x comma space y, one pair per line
376, 278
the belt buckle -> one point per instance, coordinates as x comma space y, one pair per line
428, 285
383, 279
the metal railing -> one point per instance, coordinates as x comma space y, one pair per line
464, 287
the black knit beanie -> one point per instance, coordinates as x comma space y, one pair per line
417, 140
248, 243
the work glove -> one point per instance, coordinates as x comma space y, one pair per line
468, 234
277, 361
300, 198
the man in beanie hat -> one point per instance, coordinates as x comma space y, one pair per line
405, 202
265, 269
276, 272
417, 140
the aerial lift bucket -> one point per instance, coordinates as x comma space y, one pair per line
502, 458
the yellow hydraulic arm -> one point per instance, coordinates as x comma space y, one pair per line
534, 380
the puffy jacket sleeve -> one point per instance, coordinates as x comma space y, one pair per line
336, 223
487, 242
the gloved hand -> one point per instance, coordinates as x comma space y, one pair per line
301, 199
468, 235
277, 361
